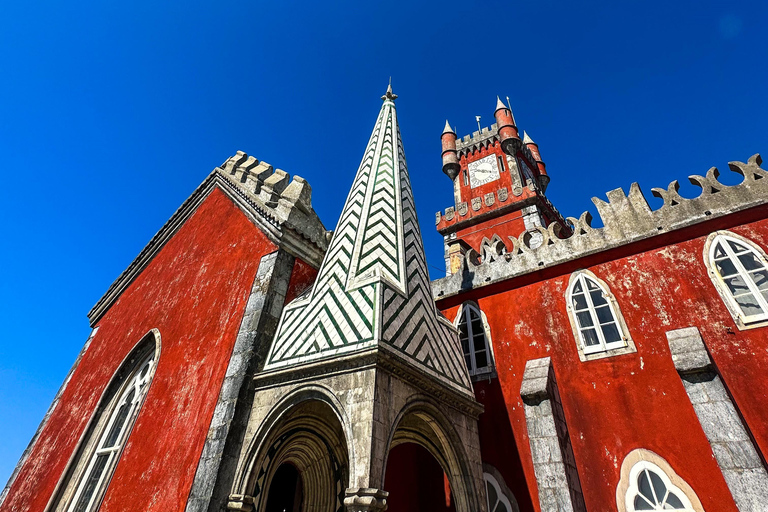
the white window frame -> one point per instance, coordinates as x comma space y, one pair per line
640, 460
465, 311
135, 373
722, 237
625, 345
501, 494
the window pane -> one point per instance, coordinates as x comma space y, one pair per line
736, 285
761, 279
610, 332
719, 251
674, 502
117, 426
492, 497
585, 319
578, 288
737, 248
641, 504
597, 298
481, 359
477, 326
591, 285
479, 340
644, 486
145, 369
465, 345
750, 261
466, 359
91, 483
579, 302
463, 326
590, 337
604, 314
749, 304
726, 267
501, 507
658, 486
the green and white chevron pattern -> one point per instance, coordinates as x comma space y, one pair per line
373, 286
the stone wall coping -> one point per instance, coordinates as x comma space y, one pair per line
627, 218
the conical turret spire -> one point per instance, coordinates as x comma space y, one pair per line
500, 104
448, 128
373, 288
527, 139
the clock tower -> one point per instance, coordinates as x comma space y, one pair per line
499, 185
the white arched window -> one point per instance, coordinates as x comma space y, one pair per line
739, 270
90, 472
497, 500
595, 315
648, 482
475, 339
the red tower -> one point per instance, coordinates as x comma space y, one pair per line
499, 185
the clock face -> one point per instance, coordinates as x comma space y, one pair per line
483, 171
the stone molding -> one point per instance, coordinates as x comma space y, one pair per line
626, 219
735, 452
282, 210
365, 500
382, 357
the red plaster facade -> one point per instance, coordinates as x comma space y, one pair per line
194, 293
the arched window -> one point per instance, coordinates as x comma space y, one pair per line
497, 499
648, 482
595, 315
739, 270
475, 339
90, 472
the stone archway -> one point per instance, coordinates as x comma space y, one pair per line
304, 433
421, 423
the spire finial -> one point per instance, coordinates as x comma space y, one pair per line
527, 138
448, 128
389, 95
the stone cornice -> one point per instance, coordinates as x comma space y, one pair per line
626, 219
381, 357
287, 219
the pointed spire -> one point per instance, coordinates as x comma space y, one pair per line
373, 288
500, 104
389, 95
527, 139
448, 128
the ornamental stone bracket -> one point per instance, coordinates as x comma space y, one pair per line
728, 436
365, 500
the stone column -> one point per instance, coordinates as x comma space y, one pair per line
553, 461
365, 500
732, 445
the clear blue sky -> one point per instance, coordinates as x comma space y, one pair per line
113, 112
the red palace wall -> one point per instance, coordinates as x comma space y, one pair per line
616, 404
194, 292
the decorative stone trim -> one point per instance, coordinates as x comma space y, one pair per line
731, 443
365, 500
241, 502
553, 462
626, 219
262, 312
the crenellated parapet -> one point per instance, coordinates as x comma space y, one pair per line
282, 208
627, 218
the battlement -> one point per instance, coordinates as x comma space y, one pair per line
484, 137
281, 207
627, 218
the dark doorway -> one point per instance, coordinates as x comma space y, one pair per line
416, 481
285, 492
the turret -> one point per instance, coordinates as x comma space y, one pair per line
534, 148
510, 140
451, 165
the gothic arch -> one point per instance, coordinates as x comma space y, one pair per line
308, 429
66, 491
420, 421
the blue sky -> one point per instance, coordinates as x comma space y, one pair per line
111, 113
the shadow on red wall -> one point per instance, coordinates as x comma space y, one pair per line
416, 481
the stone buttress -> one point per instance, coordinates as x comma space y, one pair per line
363, 360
